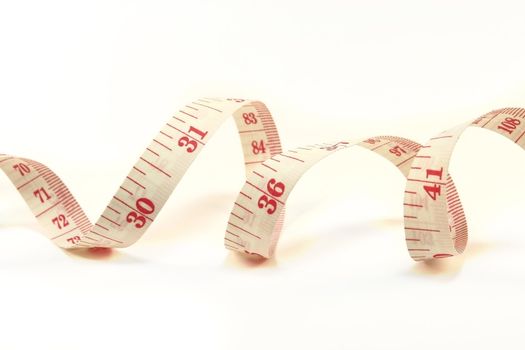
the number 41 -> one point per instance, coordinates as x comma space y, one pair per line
434, 190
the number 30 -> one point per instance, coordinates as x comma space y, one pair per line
145, 206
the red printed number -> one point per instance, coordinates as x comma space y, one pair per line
144, 206
22, 168
249, 118
42, 194
190, 141
434, 190
509, 125
258, 147
397, 151
275, 189
74, 240
372, 141
60, 221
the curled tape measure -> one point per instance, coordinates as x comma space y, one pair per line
150, 182
435, 225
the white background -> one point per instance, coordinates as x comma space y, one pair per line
84, 86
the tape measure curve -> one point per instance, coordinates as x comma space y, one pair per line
151, 180
435, 224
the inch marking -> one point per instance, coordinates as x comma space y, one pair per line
152, 151
165, 134
287, 156
442, 137
246, 231
163, 145
413, 205
116, 211
111, 239
140, 171
102, 227
108, 219
269, 167
245, 195
180, 120
155, 167
521, 135
203, 105
128, 191
421, 229
233, 234
406, 160
249, 131
229, 240
488, 121
136, 182
237, 216
240, 206
189, 115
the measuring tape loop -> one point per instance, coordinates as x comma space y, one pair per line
435, 224
150, 182
255, 222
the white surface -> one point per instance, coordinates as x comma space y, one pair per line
85, 86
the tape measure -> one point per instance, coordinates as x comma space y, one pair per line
435, 224
150, 182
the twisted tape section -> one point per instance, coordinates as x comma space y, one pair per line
151, 180
435, 224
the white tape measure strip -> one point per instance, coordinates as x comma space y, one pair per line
255, 222
440, 227
150, 182
435, 225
